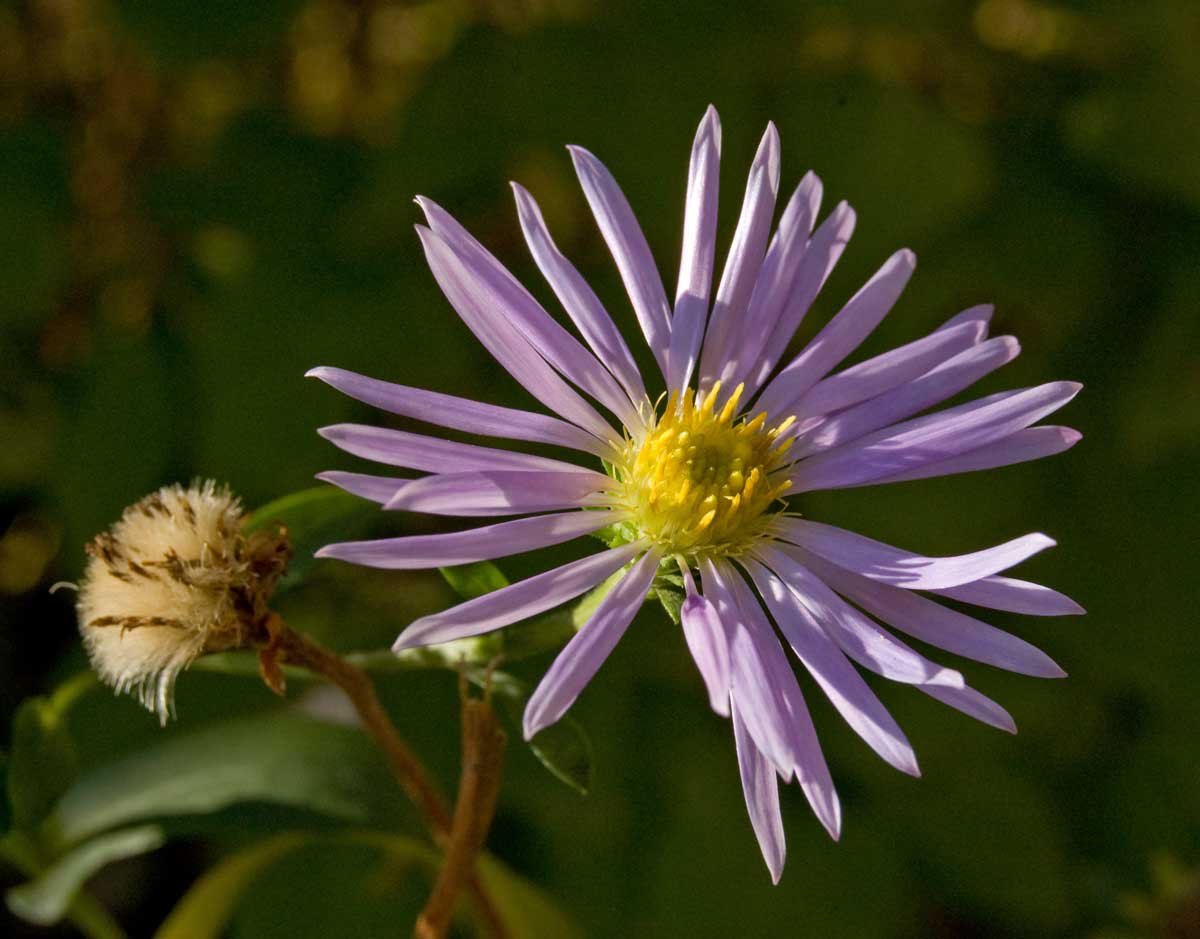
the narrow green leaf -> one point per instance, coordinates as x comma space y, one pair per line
42, 764
5, 806
474, 580
671, 600
46, 899
286, 759
564, 748
313, 517
526, 910
208, 906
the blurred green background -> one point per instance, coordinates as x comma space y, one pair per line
200, 201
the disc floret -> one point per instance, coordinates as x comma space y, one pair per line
701, 482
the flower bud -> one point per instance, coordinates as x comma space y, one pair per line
174, 578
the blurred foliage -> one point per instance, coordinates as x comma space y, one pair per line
202, 201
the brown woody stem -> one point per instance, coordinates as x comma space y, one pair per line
483, 745
283, 645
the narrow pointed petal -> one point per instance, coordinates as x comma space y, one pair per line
500, 493
933, 387
758, 686
1014, 596
981, 314
902, 568
809, 766
698, 252
761, 789
887, 371
625, 240
912, 444
414, 552
842, 684
578, 298
937, 625
705, 636
1032, 443
376, 488
860, 638
505, 342
517, 601
507, 299
774, 284
744, 260
820, 257
974, 704
472, 417
582, 657
433, 454
841, 335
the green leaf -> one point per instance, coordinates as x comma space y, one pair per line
208, 906
5, 806
671, 600
313, 517
284, 759
46, 899
474, 580
526, 910
564, 748
43, 761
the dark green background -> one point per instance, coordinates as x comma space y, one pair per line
160, 301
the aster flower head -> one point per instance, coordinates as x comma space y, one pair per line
703, 476
174, 578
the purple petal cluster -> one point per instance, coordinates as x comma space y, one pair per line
835, 599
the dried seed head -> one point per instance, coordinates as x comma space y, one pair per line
173, 579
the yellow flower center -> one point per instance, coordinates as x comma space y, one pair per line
699, 482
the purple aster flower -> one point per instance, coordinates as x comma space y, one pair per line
698, 479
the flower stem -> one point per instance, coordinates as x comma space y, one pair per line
284, 645
483, 745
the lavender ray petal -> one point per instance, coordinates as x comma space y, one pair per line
761, 790
629, 249
755, 683
974, 704
414, 552
809, 765
433, 454
885, 372
744, 260
517, 601
775, 279
501, 493
698, 252
1014, 596
935, 624
902, 568
705, 637
937, 385
841, 335
820, 257
842, 684
505, 342
981, 314
578, 298
496, 289
906, 446
585, 653
1032, 443
472, 417
858, 636
376, 488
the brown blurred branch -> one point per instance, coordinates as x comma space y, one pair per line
483, 745
280, 644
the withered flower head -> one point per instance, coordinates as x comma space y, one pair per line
172, 579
